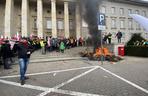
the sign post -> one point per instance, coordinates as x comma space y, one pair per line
101, 26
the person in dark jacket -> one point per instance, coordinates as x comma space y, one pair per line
119, 36
109, 38
24, 53
6, 54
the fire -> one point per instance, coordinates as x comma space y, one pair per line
102, 51
108, 56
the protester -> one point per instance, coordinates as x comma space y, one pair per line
105, 39
6, 54
109, 37
71, 42
119, 36
42, 44
68, 43
49, 44
24, 52
80, 41
62, 46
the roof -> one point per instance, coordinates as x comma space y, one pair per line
138, 2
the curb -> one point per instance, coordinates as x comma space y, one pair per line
57, 59
53, 60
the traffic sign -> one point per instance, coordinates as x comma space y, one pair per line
101, 21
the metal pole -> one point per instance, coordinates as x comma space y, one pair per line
101, 49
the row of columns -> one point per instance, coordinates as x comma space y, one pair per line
40, 30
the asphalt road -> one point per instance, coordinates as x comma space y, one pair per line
128, 77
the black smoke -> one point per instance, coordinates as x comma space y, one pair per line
89, 11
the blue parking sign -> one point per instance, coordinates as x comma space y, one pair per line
101, 21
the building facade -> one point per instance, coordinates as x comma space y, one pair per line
117, 17
61, 18
39, 17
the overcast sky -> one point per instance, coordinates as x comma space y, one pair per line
144, 0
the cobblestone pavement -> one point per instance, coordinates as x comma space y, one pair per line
77, 77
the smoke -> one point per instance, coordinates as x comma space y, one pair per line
89, 10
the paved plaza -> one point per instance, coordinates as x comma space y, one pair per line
68, 74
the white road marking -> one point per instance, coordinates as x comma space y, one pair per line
74, 78
74, 93
48, 90
70, 80
25, 85
127, 81
44, 93
41, 73
45, 89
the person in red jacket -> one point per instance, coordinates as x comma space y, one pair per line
24, 52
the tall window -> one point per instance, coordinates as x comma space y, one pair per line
130, 24
129, 11
60, 24
103, 9
137, 26
146, 35
122, 24
71, 25
35, 23
113, 10
121, 11
144, 13
113, 22
48, 24
106, 20
84, 24
137, 12
20, 21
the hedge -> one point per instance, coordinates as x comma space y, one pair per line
140, 51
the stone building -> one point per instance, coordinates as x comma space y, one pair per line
61, 18
117, 17
39, 17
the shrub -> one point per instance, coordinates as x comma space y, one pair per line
135, 46
141, 51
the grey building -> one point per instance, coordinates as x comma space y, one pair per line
61, 18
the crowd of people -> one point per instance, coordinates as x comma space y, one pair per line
8, 48
23, 48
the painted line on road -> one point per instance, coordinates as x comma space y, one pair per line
45, 89
67, 92
75, 93
76, 77
41, 73
70, 80
127, 81
25, 86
